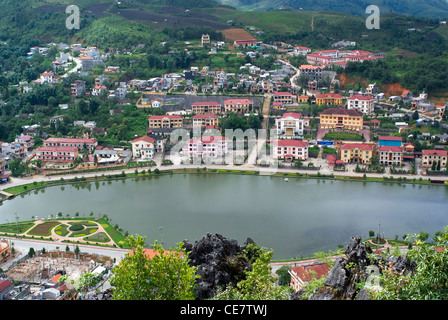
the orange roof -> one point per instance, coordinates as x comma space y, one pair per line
362, 146
303, 272
144, 139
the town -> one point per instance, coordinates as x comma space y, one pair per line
315, 125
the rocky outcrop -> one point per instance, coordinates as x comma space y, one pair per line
357, 264
219, 262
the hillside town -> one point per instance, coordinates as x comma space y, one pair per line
314, 123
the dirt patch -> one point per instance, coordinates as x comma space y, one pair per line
236, 34
346, 81
43, 229
392, 89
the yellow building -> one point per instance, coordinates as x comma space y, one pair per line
337, 118
165, 121
302, 99
356, 153
325, 99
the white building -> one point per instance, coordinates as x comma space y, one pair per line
210, 147
290, 125
143, 148
291, 150
361, 103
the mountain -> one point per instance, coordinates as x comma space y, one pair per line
418, 8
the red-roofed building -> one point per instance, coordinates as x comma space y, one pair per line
314, 72
143, 148
390, 155
434, 156
290, 125
301, 275
323, 99
238, 105
210, 147
206, 107
339, 118
89, 144
5, 287
290, 150
356, 153
284, 97
57, 154
362, 103
205, 120
165, 121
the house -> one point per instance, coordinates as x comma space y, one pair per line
78, 88
284, 97
165, 121
206, 107
238, 105
47, 77
362, 103
290, 150
6, 286
390, 155
57, 154
290, 125
26, 141
299, 50
328, 99
301, 275
98, 90
205, 39
143, 148
245, 43
372, 89
434, 156
205, 120
356, 153
207, 147
337, 118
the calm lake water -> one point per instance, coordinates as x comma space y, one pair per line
295, 218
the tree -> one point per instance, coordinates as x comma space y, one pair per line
429, 279
17, 167
165, 276
259, 284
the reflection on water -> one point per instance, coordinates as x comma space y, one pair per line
295, 218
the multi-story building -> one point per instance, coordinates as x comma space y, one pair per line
290, 150
356, 153
362, 103
284, 97
79, 144
323, 99
310, 71
78, 88
211, 147
143, 148
206, 107
290, 125
26, 141
238, 105
434, 156
390, 141
337, 118
390, 155
165, 121
301, 275
205, 120
57, 154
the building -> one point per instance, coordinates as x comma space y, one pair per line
390, 155
78, 88
89, 144
299, 50
238, 105
205, 39
337, 118
47, 77
323, 99
210, 147
245, 43
434, 156
57, 154
165, 121
205, 120
143, 148
26, 141
301, 275
314, 72
290, 125
290, 150
206, 107
356, 153
284, 97
362, 103
390, 141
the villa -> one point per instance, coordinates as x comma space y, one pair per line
143, 148
290, 125
390, 155
290, 150
362, 103
210, 147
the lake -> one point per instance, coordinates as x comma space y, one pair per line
295, 218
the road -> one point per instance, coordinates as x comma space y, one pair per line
75, 69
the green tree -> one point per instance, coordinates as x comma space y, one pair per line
259, 284
165, 276
429, 279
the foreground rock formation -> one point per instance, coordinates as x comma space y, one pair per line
342, 282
